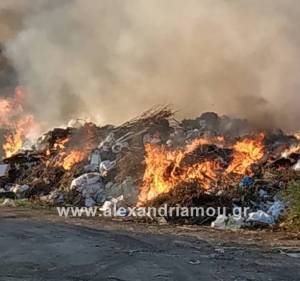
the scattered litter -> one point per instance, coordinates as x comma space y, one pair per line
228, 222
85, 180
112, 204
4, 168
276, 210
293, 255
91, 188
106, 166
19, 190
8, 203
220, 250
161, 220
89, 202
261, 217
220, 222
296, 167
95, 159
194, 262
107, 143
235, 222
55, 197
263, 194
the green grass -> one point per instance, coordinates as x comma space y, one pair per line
24, 203
292, 196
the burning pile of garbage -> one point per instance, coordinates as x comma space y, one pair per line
155, 159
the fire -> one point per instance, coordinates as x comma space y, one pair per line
246, 152
67, 157
165, 168
74, 157
19, 124
73, 149
13, 143
14, 140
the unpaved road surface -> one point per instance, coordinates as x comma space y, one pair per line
36, 250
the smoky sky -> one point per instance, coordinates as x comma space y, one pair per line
109, 60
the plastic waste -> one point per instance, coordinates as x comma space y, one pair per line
261, 217
4, 168
220, 222
228, 222
112, 204
106, 166
246, 181
85, 179
19, 190
91, 187
9, 203
276, 210
89, 202
296, 167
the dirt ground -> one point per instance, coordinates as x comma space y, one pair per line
39, 245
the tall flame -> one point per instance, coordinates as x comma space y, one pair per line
13, 143
19, 124
14, 140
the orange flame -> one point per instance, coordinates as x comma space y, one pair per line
165, 168
19, 124
14, 140
74, 157
13, 143
74, 148
246, 152
68, 155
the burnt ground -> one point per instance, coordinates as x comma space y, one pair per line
37, 245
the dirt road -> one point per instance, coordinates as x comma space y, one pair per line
37, 250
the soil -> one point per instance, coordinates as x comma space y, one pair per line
38, 245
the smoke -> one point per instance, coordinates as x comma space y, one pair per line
112, 59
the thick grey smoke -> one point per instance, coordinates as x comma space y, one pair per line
112, 59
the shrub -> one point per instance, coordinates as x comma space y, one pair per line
292, 196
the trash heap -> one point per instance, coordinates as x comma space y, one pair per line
154, 159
